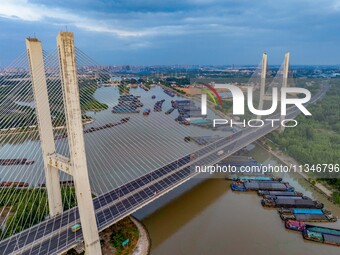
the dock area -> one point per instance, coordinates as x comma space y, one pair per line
293, 207
127, 104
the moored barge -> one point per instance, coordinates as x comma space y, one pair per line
309, 217
19, 161
235, 177
322, 235
303, 211
279, 193
261, 185
292, 203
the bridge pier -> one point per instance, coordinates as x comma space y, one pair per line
69, 78
37, 70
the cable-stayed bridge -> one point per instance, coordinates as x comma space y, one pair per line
122, 172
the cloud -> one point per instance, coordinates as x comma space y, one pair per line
201, 26
23, 10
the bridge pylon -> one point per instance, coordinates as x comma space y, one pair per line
284, 82
78, 163
37, 70
263, 82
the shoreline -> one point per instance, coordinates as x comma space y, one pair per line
210, 105
143, 245
288, 160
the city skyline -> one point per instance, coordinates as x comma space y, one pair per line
192, 32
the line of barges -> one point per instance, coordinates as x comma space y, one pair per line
293, 207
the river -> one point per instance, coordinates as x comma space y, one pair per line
209, 218
115, 155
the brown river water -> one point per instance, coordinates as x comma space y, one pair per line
209, 218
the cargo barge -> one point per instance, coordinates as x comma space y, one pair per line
169, 93
291, 203
303, 211
169, 111
19, 161
309, 217
158, 106
322, 235
108, 125
301, 226
181, 103
285, 197
279, 193
127, 104
235, 177
128, 98
261, 185
295, 225
14, 185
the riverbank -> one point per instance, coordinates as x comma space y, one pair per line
129, 230
144, 242
267, 145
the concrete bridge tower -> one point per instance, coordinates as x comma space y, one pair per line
284, 82
69, 79
76, 165
263, 83
37, 69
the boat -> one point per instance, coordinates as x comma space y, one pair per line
261, 185
146, 111
170, 111
295, 225
291, 203
309, 217
158, 106
125, 119
128, 97
19, 161
14, 184
180, 103
278, 193
303, 211
322, 235
169, 93
235, 177
285, 197
323, 230
153, 97
108, 125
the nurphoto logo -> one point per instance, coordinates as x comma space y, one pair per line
238, 99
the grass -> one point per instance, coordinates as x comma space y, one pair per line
122, 230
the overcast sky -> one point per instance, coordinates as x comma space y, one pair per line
147, 32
